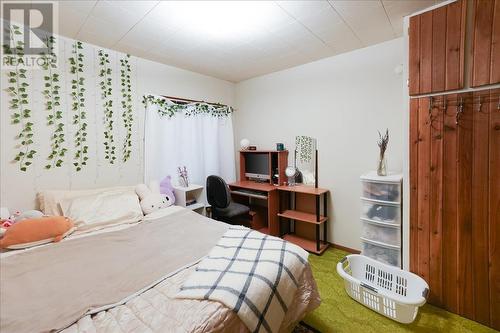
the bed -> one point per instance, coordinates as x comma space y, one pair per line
124, 278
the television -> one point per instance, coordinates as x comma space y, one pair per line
257, 166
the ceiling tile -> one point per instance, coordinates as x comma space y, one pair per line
367, 18
301, 9
397, 9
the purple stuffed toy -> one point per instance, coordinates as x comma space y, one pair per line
167, 189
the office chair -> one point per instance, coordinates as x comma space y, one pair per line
219, 197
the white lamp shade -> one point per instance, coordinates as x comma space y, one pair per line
244, 144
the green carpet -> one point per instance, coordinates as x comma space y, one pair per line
340, 313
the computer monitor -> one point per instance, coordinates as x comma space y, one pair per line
257, 166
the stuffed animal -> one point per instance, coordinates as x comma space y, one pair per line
150, 197
29, 214
167, 189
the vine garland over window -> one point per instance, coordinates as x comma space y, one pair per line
106, 91
18, 90
52, 105
78, 106
127, 114
169, 108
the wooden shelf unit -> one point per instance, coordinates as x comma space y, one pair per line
306, 244
302, 216
304, 205
277, 159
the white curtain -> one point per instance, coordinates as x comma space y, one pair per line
201, 142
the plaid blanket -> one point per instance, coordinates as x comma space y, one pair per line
253, 274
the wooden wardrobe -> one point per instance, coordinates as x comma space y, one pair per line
455, 157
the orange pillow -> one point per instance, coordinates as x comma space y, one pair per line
32, 232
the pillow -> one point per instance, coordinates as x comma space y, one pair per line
96, 211
48, 201
32, 232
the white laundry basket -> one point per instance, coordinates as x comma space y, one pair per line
386, 289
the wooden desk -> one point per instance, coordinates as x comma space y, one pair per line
271, 227
304, 211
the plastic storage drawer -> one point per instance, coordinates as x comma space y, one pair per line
382, 191
382, 232
381, 211
387, 254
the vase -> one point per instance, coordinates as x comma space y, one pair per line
183, 182
382, 166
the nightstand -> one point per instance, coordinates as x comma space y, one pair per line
190, 197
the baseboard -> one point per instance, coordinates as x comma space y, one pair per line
344, 248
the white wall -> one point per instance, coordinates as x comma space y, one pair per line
342, 101
18, 189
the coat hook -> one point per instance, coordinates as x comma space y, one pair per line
460, 110
431, 104
480, 103
445, 103
498, 105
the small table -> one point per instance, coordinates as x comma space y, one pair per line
190, 197
306, 211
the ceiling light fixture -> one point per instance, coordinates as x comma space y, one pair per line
221, 20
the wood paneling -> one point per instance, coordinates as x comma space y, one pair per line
464, 209
450, 195
414, 109
480, 171
436, 49
436, 199
485, 43
423, 227
494, 209
455, 45
414, 55
495, 45
455, 201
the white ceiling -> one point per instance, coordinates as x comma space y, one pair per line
235, 41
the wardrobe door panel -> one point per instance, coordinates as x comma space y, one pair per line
485, 43
436, 49
494, 208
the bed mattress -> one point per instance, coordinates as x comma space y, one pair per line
124, 280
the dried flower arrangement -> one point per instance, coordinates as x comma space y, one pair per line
382, 142
183, 176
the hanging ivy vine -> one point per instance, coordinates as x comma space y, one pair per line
52, 105
18, 91
127, 114
78, 106
169, 108
106, 91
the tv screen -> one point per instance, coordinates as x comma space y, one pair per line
257, 166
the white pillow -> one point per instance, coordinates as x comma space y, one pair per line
48, 201
96, 211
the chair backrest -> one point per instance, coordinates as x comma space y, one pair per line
218, 195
